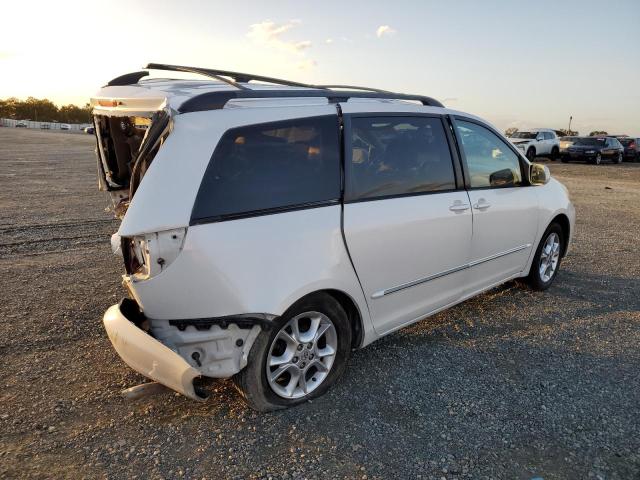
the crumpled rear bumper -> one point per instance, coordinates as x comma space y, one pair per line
148, 356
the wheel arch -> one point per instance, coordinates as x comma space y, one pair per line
350, 307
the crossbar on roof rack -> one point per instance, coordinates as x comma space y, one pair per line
218, 75
247, 77
236, 76
218, 100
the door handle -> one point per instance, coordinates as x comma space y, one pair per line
482, 204
459, 207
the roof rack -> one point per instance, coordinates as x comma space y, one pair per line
218, 100
236, 76
247, 77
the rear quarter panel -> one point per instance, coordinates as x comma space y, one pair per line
255, 265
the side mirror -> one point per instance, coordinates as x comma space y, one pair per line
502, 178
539, 174
540, 137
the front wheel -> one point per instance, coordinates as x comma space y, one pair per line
619, 158
299, 358
546, 261
598, 159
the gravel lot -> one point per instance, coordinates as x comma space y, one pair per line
512, 384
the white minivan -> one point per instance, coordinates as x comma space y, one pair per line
271, 227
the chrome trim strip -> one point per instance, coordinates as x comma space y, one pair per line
403, 286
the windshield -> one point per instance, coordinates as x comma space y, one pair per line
567, 139
591, 141
527, 135
626, 141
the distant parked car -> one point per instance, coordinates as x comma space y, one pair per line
89, 130
45, 126
65, 126
565, 143
538, 142
21, 125
595, 150
631, 148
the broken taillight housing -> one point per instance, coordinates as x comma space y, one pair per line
147, 255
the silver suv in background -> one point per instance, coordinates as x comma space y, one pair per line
537, 142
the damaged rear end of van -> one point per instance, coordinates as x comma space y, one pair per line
135, 129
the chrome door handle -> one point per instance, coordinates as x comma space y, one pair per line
481, 205
459, 207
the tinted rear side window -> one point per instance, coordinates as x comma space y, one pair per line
271, 166
397, 156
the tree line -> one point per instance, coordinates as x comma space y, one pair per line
43, 110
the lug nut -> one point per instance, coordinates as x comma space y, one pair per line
295, 360
300, 347
309, 345
302, 365
311, 357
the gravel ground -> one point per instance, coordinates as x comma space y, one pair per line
513, 384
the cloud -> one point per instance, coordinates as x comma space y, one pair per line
306, 64
269, 33
385, 31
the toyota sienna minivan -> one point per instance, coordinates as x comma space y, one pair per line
270, 227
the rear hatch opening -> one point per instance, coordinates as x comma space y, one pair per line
127, 143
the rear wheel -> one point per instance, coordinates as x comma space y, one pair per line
598, 159
555, 152
299, 359
619, 158
565, 159
531, 154
546, 261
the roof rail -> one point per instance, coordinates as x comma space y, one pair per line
217, 74
218, 100
236, 76
127, 79
247, 77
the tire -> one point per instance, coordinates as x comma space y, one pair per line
531, 154
540, 278
619, 158
264, 395
564, 160
598, 159
555, 153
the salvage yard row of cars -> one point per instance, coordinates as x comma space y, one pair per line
544, 142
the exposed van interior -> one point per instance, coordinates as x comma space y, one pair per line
126, 147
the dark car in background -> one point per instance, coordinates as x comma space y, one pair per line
594, 150
565, 143
631, 148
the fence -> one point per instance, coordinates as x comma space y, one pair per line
10, 122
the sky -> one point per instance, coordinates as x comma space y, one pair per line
515, 63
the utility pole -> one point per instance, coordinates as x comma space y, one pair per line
570, 118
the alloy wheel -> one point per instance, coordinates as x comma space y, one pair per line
549, 257
598, 159
301, 355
